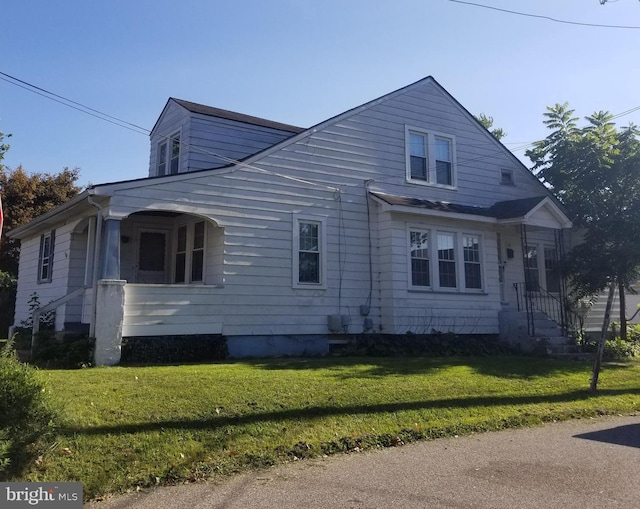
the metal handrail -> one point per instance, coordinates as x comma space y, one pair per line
548, 304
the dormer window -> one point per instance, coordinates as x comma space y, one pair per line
162, 158
175, 153
430, 158
169, 151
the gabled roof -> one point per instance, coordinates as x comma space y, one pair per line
210, 111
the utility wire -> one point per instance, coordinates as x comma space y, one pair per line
548, 18
141, 130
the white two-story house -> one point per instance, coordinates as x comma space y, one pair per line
400, 215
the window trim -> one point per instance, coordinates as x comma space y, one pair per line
434, 267
189, 252
321, 221
431, 177
48, 258
165, 147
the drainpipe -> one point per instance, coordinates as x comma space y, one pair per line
96, 260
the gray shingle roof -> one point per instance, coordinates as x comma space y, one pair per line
510, 209
232, 115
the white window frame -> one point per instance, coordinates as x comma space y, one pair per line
322, 251
45, 259
189, 252
430, 138
434, 267
165, 147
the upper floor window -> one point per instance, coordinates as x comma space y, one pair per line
430, 157
168, 155
175, 153
309, 252
45, 258
162, 158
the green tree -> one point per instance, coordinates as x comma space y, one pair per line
25, 197
595, 171
487, 123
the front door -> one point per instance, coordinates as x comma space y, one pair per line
151, 261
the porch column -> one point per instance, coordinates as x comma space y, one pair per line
111, 250
109, 300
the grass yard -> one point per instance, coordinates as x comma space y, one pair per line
127, 427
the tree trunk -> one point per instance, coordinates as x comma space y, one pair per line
603, 337
623, 311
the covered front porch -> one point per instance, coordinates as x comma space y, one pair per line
151, 273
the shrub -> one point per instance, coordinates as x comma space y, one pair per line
616, 349
70, 352
429, 345
25, 411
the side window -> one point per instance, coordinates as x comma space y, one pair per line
309, 252
45, 257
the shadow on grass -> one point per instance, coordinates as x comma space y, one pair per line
628, 435
222, 421
511, 367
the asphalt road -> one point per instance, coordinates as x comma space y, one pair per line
592, 463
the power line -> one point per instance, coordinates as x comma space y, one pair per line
141, 130
548, 18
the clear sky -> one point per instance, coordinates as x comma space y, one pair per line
297, 62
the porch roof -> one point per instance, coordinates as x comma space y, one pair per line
533, 211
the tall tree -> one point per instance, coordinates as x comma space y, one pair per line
595, 171
26, 196
487, 123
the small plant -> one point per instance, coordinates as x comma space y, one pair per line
25, 411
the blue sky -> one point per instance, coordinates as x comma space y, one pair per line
296, 62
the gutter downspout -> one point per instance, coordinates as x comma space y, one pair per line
96, 260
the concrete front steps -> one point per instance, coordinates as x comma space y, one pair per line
547, 339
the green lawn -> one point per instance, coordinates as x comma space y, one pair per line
138, 426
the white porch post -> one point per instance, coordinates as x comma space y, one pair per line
109, 317
111, 250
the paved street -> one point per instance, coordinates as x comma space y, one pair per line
593, 463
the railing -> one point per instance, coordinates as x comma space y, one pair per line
37, 313
539, 300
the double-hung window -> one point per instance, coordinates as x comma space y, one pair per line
430, 157
168, 156
190, 253
45, 257
442, 260
447, 260
309, 252
420, 271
